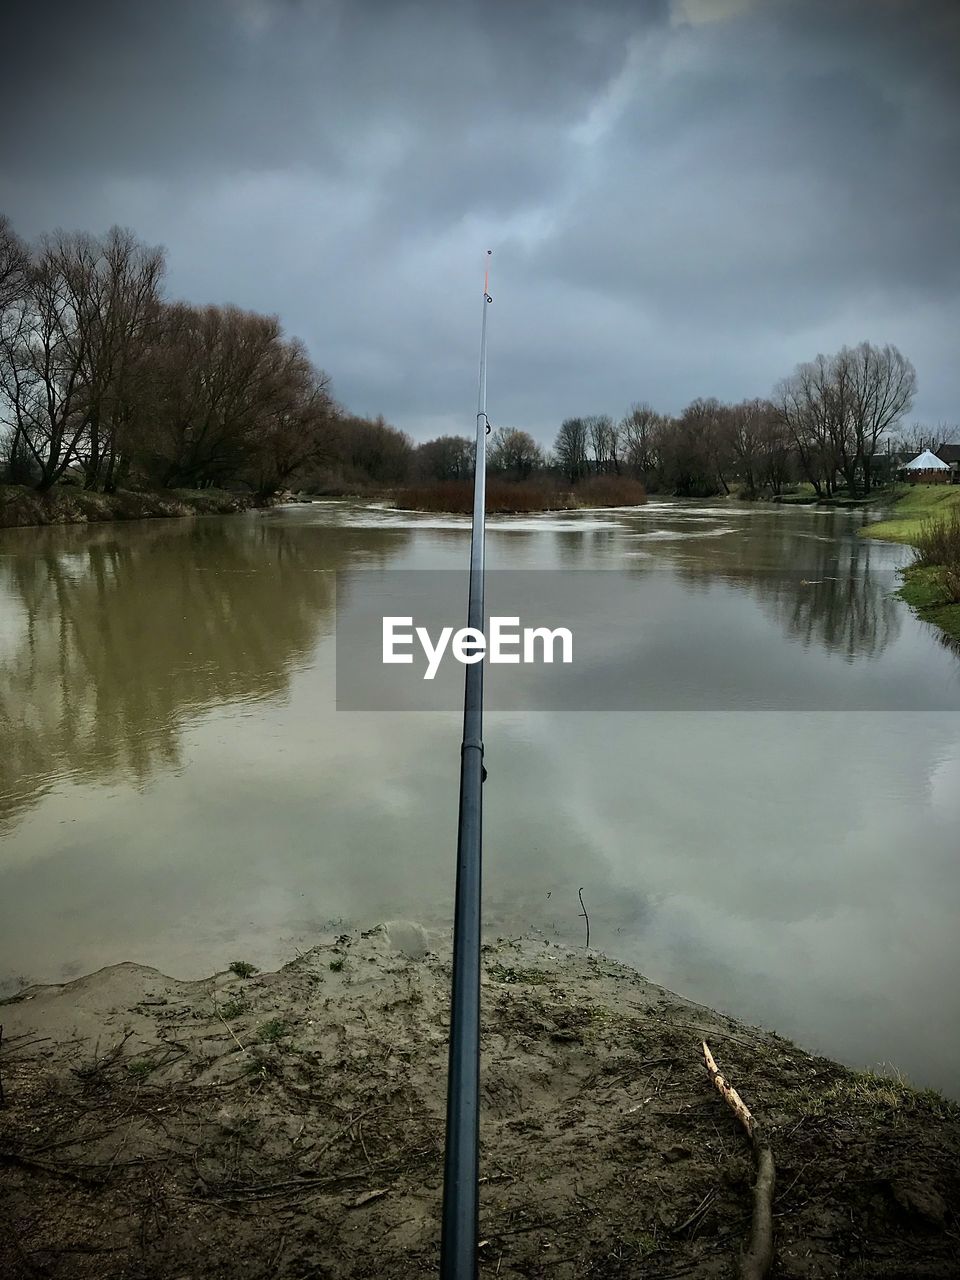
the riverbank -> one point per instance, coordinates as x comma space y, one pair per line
912, 506
916, 505
21, 507
290, 1124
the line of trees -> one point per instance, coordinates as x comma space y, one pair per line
838, 409
105, 382
829, 423
835, 422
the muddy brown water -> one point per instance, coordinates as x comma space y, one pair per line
177, 787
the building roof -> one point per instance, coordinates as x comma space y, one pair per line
926, 461
949, 453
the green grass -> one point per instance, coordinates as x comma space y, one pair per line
917, 508
915, 503
140, 1069
923, 589
871, 1091
233, 1009
209, 502
529, 977
243, 968
259, 1066
272, 1031
801, 494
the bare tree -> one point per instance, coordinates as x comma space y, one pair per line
760, 445
839, 407
114, 284
43, 349
605, 442
14, 264
70, 343
445, 458
918, 436
570, 449
297, 421
777, 458
745, 423
641, 433
804, 403
514, 452
883, 384
14, 273
372, 451
696, 456
215, 373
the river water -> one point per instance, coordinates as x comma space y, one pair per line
178, 788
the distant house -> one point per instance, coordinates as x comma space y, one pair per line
950, 454
926, 468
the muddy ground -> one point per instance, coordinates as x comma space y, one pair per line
290, 1125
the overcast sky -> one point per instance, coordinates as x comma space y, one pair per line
683, 197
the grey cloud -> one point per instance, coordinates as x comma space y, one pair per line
226, 83
677, 208
779, 184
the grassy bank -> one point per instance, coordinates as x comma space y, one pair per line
68, 504
291, 1124
913, 505
804, 495
923, 588
928, 517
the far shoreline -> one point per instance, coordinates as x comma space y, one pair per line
24, 508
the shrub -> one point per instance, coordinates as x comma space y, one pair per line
233, 1009
272, 1031
503, 497
938, 546
611, 491
506, 497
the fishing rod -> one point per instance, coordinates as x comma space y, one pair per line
458, 1247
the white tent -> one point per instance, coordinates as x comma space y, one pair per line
926, 461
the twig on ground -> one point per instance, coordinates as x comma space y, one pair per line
583, 912
698, 1213
756, 1262
242, 1047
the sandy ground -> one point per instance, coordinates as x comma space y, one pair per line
290, 1124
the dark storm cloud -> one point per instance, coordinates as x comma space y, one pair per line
212, 86
684, 198
791, 173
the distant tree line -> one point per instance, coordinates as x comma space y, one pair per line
834, 423
828, 423
105, 382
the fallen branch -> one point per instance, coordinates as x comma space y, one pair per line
240, 1045
583, 912
756, 1262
